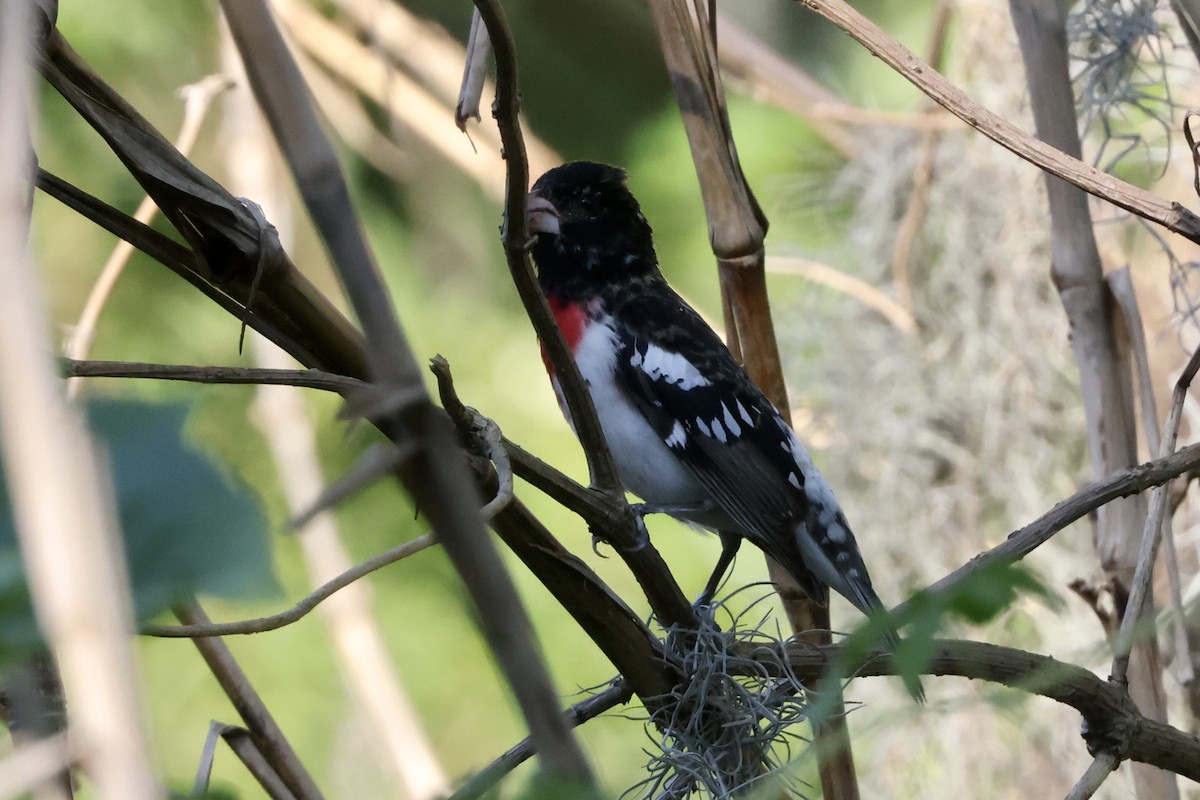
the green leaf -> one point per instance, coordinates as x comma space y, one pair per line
187, 528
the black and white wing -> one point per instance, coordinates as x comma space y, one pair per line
725, 431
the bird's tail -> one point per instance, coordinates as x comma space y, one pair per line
863, 595
891, 643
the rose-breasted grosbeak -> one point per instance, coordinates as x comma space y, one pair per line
690, 433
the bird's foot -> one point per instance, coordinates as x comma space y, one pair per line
596, 542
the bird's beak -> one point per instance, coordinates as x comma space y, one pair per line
540, 215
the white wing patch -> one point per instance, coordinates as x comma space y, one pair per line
819, 493
745, 414
646, 463
673, 368
678, 437
731, 423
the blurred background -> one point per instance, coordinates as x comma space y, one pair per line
925, 348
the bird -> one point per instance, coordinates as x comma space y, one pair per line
690, 433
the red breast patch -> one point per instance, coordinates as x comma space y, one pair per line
571, 319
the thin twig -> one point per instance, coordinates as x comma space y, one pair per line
617, 694
1101, 767
1172, 216
302, 608
262, 726
1022, 542
305, 378
1150, 538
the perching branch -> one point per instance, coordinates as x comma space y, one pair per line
1115, 729
625, 640
1112, 723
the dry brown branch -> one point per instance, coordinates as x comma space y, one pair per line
1113, 723
251, 272
438, 478
187, 265
267, 736
1172, 216
305, 378
617, 694
1100, 768
61, 498
1022, 542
